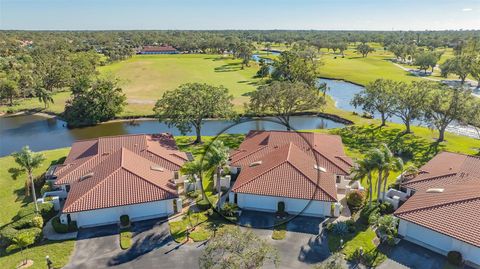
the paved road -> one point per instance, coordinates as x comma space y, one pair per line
152, 247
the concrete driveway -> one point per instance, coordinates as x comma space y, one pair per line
152, 246
407, 255
302, 247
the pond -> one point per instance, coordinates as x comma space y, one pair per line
342, 92
42, 133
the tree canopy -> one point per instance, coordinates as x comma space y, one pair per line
377, 97
94, 102
187, 106
233, 248
283, 98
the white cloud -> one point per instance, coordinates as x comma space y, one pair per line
467, 9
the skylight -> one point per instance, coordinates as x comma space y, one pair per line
156, 168
435, 190
319, 168
255, 163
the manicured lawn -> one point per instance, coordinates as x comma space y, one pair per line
12, 196
353, 67
12, 199
203, 223
58, 251
362, 238
145, 78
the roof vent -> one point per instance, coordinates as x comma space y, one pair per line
89, 175
156, 168
319, 168
106, 153
435, 190
257, 163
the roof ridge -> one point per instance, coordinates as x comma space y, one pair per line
251, 153
437, 205
429, 178
311, 180
146, 180
264, 172
92, 188
329, 159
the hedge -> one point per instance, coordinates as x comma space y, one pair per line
454, 257
36, 233
7, 234
63, 228
45, 209
203, 205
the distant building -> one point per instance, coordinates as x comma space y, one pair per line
158, 50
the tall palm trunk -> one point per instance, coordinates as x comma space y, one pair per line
370, 191
387, 174
34, 195
379, 184
219, 188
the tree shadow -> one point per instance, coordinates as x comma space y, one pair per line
15, 172
229, 67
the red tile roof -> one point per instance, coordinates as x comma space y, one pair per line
454, 212
326, 149
84, 155
120, 170
444, 169
454, 208
289, 166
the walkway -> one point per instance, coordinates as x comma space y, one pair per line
50, 234
345, 214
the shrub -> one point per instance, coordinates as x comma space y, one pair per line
193, 194
37, 221
454, 257
386, 208
367, 211
351, 225
229, 209
281, 207
63, 228
124, 220
356, 198
46, 210
340, 228
7, 234
45, 188
125, 239
25, 222
373, 218
203, 205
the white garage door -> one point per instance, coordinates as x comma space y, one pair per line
112, 215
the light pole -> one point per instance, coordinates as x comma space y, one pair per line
214, 229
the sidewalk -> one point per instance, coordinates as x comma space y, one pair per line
50, 234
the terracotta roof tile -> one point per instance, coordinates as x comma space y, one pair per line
288, 165
119, 175
454, 208
454, 212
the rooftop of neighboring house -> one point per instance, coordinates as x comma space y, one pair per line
120, 170
158, 48
290, 164
447, 197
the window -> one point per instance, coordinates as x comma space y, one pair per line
339, 179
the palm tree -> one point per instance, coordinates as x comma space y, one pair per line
377, 160
192, 170
365, 168
410, 170
390, 164
217, 158
29, 160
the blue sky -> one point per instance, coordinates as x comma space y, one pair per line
240, 14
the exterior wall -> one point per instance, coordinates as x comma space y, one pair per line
112, 215
293, 206
438, 242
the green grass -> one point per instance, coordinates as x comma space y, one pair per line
12, 198
362, 238
279, 231
144, 78
59, 253
354, 68
12, 195
203, 226
125, 239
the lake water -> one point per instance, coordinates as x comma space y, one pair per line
42, 133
